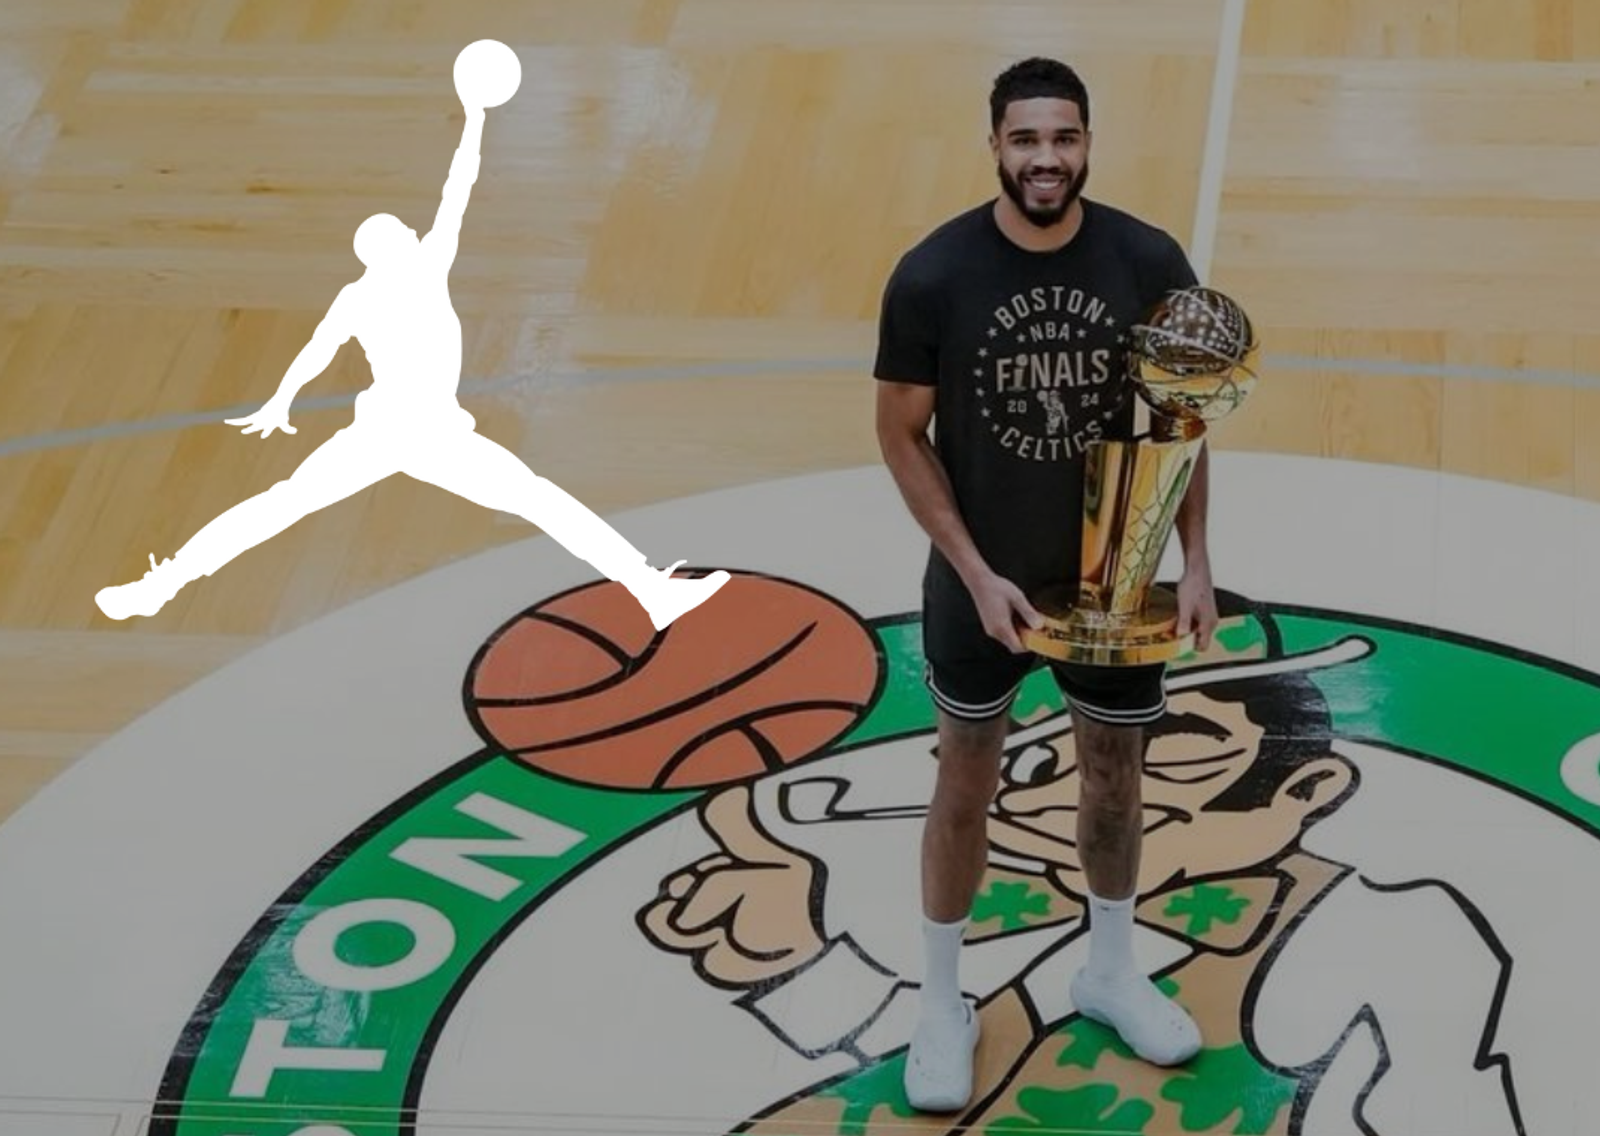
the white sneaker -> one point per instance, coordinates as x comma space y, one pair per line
1153, 1025
664, 598
938, 1074
143, 597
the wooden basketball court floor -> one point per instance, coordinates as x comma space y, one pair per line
673, 255
670, 268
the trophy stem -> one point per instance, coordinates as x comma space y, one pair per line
1132, 492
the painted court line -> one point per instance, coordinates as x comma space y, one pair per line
61, 439
1224, 79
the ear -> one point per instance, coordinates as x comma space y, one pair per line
1315, 785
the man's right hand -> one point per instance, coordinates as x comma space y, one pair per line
1000, 604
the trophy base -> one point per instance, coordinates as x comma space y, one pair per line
1073, 634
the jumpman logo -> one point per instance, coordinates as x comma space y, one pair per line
408, 420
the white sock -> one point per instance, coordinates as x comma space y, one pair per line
941, 983
1111, 937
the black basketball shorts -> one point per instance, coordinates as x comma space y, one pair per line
973, 676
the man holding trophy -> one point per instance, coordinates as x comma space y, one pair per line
1027, 330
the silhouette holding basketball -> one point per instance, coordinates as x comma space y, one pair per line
583, 688
409, 420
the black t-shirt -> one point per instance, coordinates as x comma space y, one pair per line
1026, 350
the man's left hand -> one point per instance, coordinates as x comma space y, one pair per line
1197, 605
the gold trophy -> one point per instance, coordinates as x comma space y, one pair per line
1193, 362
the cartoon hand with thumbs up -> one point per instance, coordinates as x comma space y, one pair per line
746, 914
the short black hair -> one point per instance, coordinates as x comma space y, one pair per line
1297, 729
1037, 78
1290, 707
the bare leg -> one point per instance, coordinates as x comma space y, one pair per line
343, 465
1112, 988
1110, 763
955, 852
955, 841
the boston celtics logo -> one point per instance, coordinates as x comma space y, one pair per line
677, 886
1044, 372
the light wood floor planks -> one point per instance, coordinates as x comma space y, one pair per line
709, 193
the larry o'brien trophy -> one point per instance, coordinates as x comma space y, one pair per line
1193, 362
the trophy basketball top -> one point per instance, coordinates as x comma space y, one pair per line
1194, 357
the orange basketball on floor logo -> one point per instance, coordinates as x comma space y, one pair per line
583, 687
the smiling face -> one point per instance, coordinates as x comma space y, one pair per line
1041, 150
1212, 803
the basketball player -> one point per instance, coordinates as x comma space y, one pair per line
409, 420
1004, 327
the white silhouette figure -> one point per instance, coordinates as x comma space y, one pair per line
409, 421
1056, 412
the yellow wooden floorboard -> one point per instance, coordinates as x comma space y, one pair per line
1408, 209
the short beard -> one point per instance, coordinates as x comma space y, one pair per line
1042, 218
